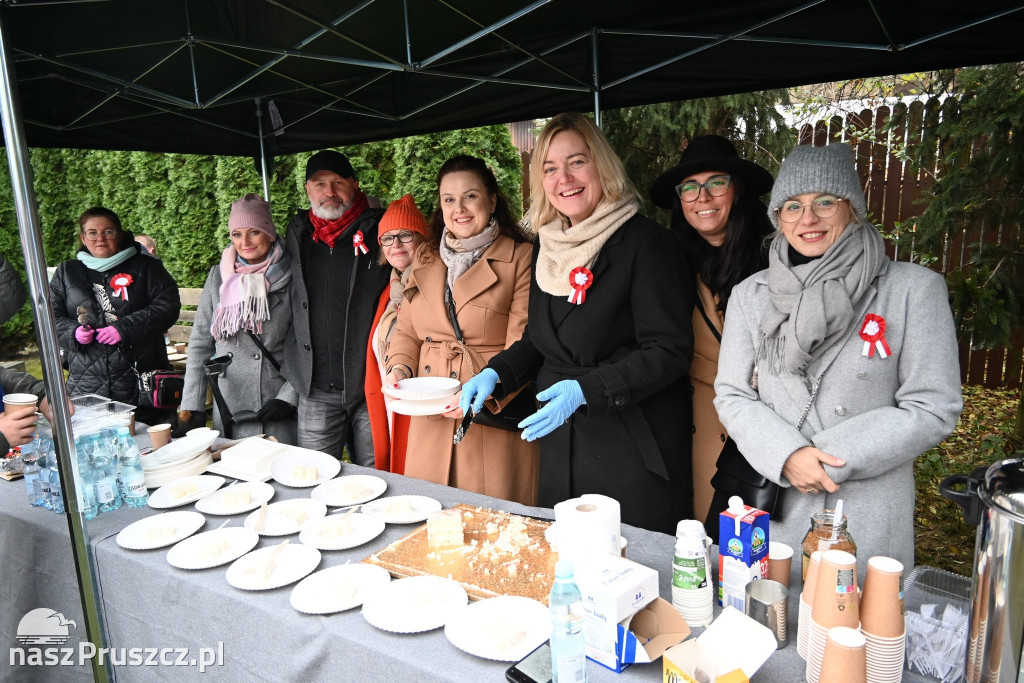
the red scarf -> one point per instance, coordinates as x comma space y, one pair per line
327, 231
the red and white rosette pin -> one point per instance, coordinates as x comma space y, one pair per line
580, 280
358, 243
873, 334
119, 283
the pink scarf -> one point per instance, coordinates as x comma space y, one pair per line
243, 291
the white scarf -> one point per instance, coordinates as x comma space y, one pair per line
564, 247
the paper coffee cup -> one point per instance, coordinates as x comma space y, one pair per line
780, 561
20, 400
160, 435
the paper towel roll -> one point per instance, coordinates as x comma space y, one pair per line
587, 525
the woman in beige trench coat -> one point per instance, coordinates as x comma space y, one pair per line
480, 253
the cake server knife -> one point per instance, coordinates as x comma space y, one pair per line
460, 433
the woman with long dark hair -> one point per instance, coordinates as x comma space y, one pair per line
474, 273
716, 212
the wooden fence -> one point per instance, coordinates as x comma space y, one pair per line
893, 191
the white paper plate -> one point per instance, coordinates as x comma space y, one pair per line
364, 530
418, 603
338, 588
180, 449
419, 408
192, 552
390, 509
164, 474
291, 563
164, 497
423, 388
283, 466
213, 504
334, 492
505, 628
277, 524
184, 522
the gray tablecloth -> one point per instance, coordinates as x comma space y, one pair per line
149, 604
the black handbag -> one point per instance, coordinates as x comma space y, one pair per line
735, 477
160, 388
515, 411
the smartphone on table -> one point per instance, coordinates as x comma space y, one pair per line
533, 668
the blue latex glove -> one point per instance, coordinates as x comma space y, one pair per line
563, 399
477, 389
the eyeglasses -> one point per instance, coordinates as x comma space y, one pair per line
93, 235
404, 237
716, 185
822, 206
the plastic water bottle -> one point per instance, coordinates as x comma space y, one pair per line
45, 494
568, 644
692, 592
30, 456
104, 467
133, 479
56, 493
87, 476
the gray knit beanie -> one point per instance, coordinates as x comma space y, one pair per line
828, 169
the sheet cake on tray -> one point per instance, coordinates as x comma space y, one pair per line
503, 554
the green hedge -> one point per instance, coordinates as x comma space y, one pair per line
183, 201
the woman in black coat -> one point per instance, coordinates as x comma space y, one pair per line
112, 305
606, 341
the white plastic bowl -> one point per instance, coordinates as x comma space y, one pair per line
423, 388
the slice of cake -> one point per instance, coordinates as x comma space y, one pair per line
444, 529
337, 528
354, 490
398, 507
160, 533
212, 548
236, 499
183, 490
305, 473
262, 566
292, 516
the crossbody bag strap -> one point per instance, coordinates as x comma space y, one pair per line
704, 314
266, 352
449, 303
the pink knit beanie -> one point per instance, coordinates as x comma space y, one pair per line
252, 212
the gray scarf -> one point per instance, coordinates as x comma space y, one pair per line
459, 253
811, 306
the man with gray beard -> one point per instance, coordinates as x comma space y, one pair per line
333, 245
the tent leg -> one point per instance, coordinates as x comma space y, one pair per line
263, 151
596, 75
35, 266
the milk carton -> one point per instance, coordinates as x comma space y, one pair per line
742, 551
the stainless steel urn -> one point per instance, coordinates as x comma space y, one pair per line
993, 499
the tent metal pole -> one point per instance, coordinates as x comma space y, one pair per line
263, 151
594, 55
35, 266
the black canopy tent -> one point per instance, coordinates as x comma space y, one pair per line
184, 76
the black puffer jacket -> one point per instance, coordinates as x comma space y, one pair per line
151, 308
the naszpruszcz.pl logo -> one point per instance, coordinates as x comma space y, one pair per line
43, 631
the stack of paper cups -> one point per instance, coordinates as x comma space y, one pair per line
881, 611
803, 624
692, 592
588, 526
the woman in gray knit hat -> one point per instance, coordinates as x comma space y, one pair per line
838, 366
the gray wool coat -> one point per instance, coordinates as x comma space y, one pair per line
877, 414
251, 380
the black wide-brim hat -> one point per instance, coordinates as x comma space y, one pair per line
710, 153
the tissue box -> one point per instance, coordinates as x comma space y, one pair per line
731, 650
614, 589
